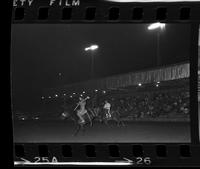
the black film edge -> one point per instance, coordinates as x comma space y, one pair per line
153, 153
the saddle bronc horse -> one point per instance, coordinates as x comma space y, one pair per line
114, 115
70, 113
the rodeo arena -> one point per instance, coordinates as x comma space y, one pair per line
144, 106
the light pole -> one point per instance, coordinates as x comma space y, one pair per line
160, 27
91, 49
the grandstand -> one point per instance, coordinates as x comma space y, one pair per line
151, 83
120, 82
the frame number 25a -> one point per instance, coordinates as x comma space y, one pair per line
45, 159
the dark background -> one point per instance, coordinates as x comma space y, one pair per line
41, 51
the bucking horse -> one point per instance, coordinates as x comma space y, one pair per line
114, 116
70, 113
92, 115
103, 116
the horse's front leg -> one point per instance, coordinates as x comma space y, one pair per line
118, 122
123, 124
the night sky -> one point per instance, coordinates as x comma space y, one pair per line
41, 51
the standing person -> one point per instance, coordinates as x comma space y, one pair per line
82, 110
107, 107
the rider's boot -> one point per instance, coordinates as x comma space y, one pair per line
82, 120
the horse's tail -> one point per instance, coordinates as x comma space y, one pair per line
116, 114
64, 115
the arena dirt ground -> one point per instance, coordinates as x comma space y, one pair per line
62, 131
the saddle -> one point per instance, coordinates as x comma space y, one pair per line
108, 115
82, 112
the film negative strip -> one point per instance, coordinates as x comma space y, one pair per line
105, 83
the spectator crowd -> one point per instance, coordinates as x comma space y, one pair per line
145, 104
152, 104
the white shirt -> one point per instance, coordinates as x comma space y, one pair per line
107, 106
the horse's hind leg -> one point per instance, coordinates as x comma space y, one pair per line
91, 124
83, 129
122, 123
77, 130
119, 122
106, 123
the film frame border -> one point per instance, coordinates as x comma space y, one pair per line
160, 154
148, 12
106, 12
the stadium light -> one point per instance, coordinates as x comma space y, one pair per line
96, 90
71, 96
92, 47
158, 82
64, 94
139, 84
156, 25
74, 93
157, 85
56, 95
104, 91
83, 92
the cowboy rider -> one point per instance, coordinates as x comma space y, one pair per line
107, 107
82, 110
